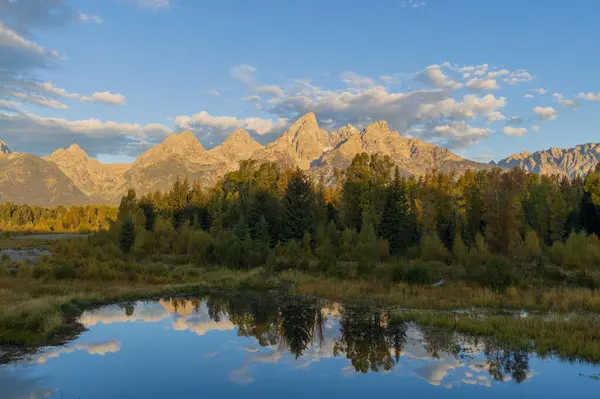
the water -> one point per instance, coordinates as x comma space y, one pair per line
264, 346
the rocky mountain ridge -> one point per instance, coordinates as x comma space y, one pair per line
304, 145
578, 160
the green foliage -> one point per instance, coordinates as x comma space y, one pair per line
298, 208
498, 274
397, 224
127, 235
367, 250
432, 249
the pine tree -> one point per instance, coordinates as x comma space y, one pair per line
127, 235
178, 200
261, 229
397, 224
298, 208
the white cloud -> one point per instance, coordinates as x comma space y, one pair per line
467, 75
96, 136
354, 80
412, 4
39, 100
244, 73
50, 88
497, 74
155, 5
11, 39
545, 113
252, 98
514, 131
535, 128
519, 76
529, 96
433, 75
89, 18
460, 132
495, 116
564, 101
213, 92
469, 108
540, 91
105, 97
481, 70
482, 84
590, 96
222, 124
269, 90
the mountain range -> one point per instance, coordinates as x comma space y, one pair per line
69, 176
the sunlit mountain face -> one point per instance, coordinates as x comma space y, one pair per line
276, 344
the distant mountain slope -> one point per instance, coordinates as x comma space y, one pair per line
564, 161
178, 156
27, 179
92, 177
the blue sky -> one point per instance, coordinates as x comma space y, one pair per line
454, 73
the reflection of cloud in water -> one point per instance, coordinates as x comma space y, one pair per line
200, 323
241, 376
13, 386
114, 314
435, 373
100, 348
210, 354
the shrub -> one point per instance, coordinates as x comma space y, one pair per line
65, 271
43, 269
586, 280
497, 274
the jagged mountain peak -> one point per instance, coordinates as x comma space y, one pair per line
238, 135
4, 148
379, 127
73, 153
185, 139
342, 134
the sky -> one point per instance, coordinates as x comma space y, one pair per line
485, 79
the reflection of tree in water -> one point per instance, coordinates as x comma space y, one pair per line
298, 322
128, 307
437, 341
367, 338
503, 362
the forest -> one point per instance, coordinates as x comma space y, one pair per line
495, 228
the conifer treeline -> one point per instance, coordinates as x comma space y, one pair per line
372, 213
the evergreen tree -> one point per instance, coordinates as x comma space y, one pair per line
397, 224
298, 208
127, 235
178, 200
